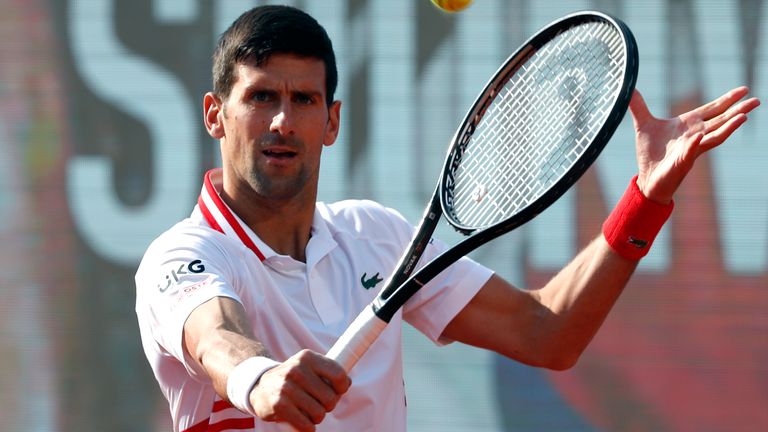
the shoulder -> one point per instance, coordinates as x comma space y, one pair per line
186, 241
187, 234
363, 217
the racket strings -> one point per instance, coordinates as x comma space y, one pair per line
539, 124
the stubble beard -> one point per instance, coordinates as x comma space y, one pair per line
271, 184
278, 188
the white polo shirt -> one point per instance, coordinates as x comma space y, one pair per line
292, 305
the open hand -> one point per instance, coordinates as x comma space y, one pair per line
667, 148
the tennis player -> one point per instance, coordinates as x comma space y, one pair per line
236, 302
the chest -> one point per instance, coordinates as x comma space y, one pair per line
310, 304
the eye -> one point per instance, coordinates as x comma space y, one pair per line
262, 96
303, 98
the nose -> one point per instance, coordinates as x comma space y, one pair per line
282, 120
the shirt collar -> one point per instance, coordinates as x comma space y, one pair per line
220, 217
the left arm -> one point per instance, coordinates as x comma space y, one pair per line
552, 325
547, 327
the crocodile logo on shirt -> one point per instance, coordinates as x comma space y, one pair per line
370, 282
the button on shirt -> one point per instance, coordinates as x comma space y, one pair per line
292, 305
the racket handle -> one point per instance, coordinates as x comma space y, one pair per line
357, 338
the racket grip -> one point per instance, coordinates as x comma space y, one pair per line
357, 338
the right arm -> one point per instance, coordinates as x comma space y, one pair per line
299, 391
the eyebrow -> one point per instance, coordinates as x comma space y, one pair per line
262, 87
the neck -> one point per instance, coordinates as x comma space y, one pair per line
284, 225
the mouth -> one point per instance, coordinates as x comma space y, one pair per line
280, 154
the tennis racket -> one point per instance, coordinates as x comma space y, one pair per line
539, 123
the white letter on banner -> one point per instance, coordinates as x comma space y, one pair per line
152, 95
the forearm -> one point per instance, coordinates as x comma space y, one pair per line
582, 294
218, 337
221, 351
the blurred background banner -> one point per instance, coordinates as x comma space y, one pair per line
102, 147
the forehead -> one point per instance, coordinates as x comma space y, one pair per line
306, 73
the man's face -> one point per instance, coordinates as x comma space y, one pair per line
275, 123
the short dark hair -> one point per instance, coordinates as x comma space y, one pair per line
266, 30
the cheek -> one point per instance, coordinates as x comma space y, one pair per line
245, 133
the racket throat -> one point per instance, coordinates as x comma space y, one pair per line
410, 258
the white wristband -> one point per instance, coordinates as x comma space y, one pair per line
243, 377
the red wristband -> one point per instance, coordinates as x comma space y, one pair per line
634, 223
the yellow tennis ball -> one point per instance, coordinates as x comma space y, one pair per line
452, 5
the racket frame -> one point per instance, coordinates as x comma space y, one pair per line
401, 285
497, 82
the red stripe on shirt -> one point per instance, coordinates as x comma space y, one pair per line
199, 427
220, 405
229, 217
232, 423
240, 423
207, 215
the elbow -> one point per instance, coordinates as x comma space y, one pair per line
560, 357
555, 362
562, 362
554, 358
562, 345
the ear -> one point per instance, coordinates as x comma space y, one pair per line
332, 128
213, 114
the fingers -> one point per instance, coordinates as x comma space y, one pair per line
332, 373
291, 414
320, 383
718, 136
639, 109
723, 116
300, 391
721, 104
309, 409
743, 107
325, 382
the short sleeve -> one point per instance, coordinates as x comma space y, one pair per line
433, 307
179, 272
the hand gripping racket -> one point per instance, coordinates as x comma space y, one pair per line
536, 127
